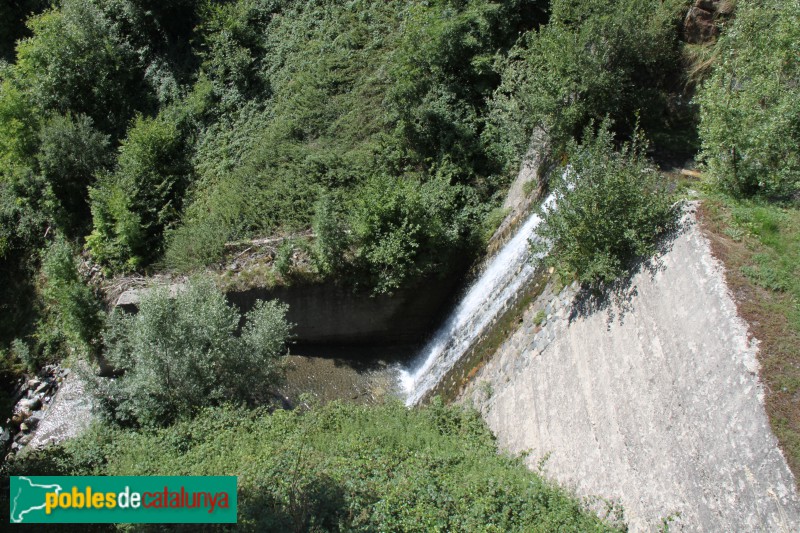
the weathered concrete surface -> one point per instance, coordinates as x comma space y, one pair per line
657, 406
68, 415
533, 170
326, 313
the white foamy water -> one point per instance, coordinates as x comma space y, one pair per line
506, 273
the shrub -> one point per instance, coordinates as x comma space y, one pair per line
132, 206
611, 209
77, 61
72, 151
331, 242
594, 58
750, 106
182, 352
339, 468
404, 229
22, 353
194, 246
73, 310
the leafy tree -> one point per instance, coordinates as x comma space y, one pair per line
71, 152
594, 58
75, 313
750, 106
77, 62
185, 351
133, 205
611, 209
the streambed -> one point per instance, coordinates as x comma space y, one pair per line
360, 374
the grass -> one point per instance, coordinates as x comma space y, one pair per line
759, 243
338, 467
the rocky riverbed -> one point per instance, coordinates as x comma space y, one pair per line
49, 408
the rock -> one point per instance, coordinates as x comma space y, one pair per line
20, 416
34, 420
25, 439
5, 437
24, 427
700, 24
43, 387
129, 299
33, 383
30, 404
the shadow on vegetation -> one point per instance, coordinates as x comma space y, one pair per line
617, 298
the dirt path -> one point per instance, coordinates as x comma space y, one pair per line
657, 406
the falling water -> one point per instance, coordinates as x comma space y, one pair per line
510, 270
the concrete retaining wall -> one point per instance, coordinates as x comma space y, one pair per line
653, 402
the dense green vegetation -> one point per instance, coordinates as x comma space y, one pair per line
750, 106
339, 468
611, 208
183, 352
594, 59
141, 136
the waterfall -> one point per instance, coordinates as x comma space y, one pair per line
507, 272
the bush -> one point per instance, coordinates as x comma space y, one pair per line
611, 209
750, 107
73, 311
183, 352
594, 58
404, 230
72, 151
339, 468
133, 206
77, 61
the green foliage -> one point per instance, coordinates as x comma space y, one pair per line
750, 106
405, 230
183, 352
20, 351
339, 102
77, 61
331, 242
283, 258
71, 152
611, 209
340, 468
74, 311
594, 58
132, 206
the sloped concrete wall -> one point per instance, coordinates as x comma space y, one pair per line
653, 402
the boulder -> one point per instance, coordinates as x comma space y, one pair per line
30, 404
699, 26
